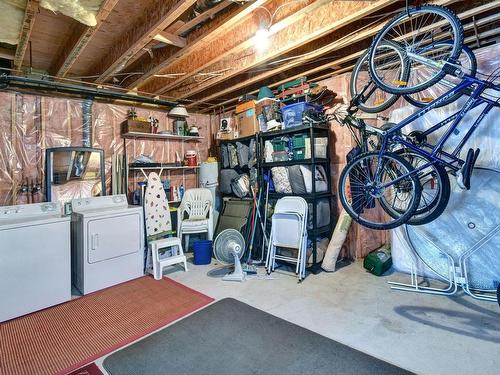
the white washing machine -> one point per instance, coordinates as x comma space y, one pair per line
107, 242
35, 264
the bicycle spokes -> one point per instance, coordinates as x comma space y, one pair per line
379, 192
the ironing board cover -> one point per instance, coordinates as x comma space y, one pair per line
156, 209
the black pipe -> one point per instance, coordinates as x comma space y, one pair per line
41, 84
202, 6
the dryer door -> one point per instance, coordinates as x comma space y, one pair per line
113, 236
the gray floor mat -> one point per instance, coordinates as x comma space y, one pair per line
230, 337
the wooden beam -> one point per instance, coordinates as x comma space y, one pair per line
241, 37
352, 41
6, 53
311, 26
25, 32
172, 39
173, 28
203, 16
196, 41
338, 44
79, 39
158, 17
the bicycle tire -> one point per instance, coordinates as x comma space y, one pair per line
432, 210
457, 41
363, 59
471, 58
399, 219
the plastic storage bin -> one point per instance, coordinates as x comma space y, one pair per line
202, 251
299, 153
280, 144
292, 113
280, 156
299, 140
320, 145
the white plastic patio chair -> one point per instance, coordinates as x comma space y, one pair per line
158, 224
195, 214
289, 230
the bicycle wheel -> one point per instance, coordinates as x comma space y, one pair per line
369, 179
372, 99
435, 185
414, 30
466, 62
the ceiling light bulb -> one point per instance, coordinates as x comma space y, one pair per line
262, 39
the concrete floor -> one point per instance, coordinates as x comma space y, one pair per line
425, 334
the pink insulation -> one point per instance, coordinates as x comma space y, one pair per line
29, 124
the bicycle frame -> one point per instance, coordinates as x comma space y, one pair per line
454, 163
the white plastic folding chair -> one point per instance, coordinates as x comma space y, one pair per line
289, 230
195, 214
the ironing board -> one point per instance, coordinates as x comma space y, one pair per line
156, 211
158, 225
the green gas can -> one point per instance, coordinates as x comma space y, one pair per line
378, 261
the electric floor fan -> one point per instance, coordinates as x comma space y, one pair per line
229, 247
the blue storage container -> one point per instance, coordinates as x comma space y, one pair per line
292, 113
202, 252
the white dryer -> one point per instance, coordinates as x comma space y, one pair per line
35, 265
107, 242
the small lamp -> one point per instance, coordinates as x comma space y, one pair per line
179, 111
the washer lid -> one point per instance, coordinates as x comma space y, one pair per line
30, 214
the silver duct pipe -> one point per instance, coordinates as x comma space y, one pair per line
87, 122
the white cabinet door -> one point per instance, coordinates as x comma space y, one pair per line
114, 236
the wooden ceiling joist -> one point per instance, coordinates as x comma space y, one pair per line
313, 25
237, 39
353, 40
172, 39
161, 15
25, 32
7, 54
203, 17
79, 39
196, 42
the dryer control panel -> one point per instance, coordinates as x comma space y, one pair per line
95, 203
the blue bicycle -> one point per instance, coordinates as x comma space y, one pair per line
382, 189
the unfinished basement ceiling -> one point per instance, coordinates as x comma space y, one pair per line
208, 57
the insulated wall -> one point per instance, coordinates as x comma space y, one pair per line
29, 124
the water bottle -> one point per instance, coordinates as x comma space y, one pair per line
181, 191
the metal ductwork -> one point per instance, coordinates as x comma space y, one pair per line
9, 81
87, 122
203, 5
200, 7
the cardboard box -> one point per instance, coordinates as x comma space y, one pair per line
245, 106
259, 104
246, 123
134, 126
224, 136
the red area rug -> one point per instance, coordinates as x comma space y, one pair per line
63, 338
90, 369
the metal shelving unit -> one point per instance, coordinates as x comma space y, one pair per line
295, 162
173, 137
160, 167
313, 131
239, 169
